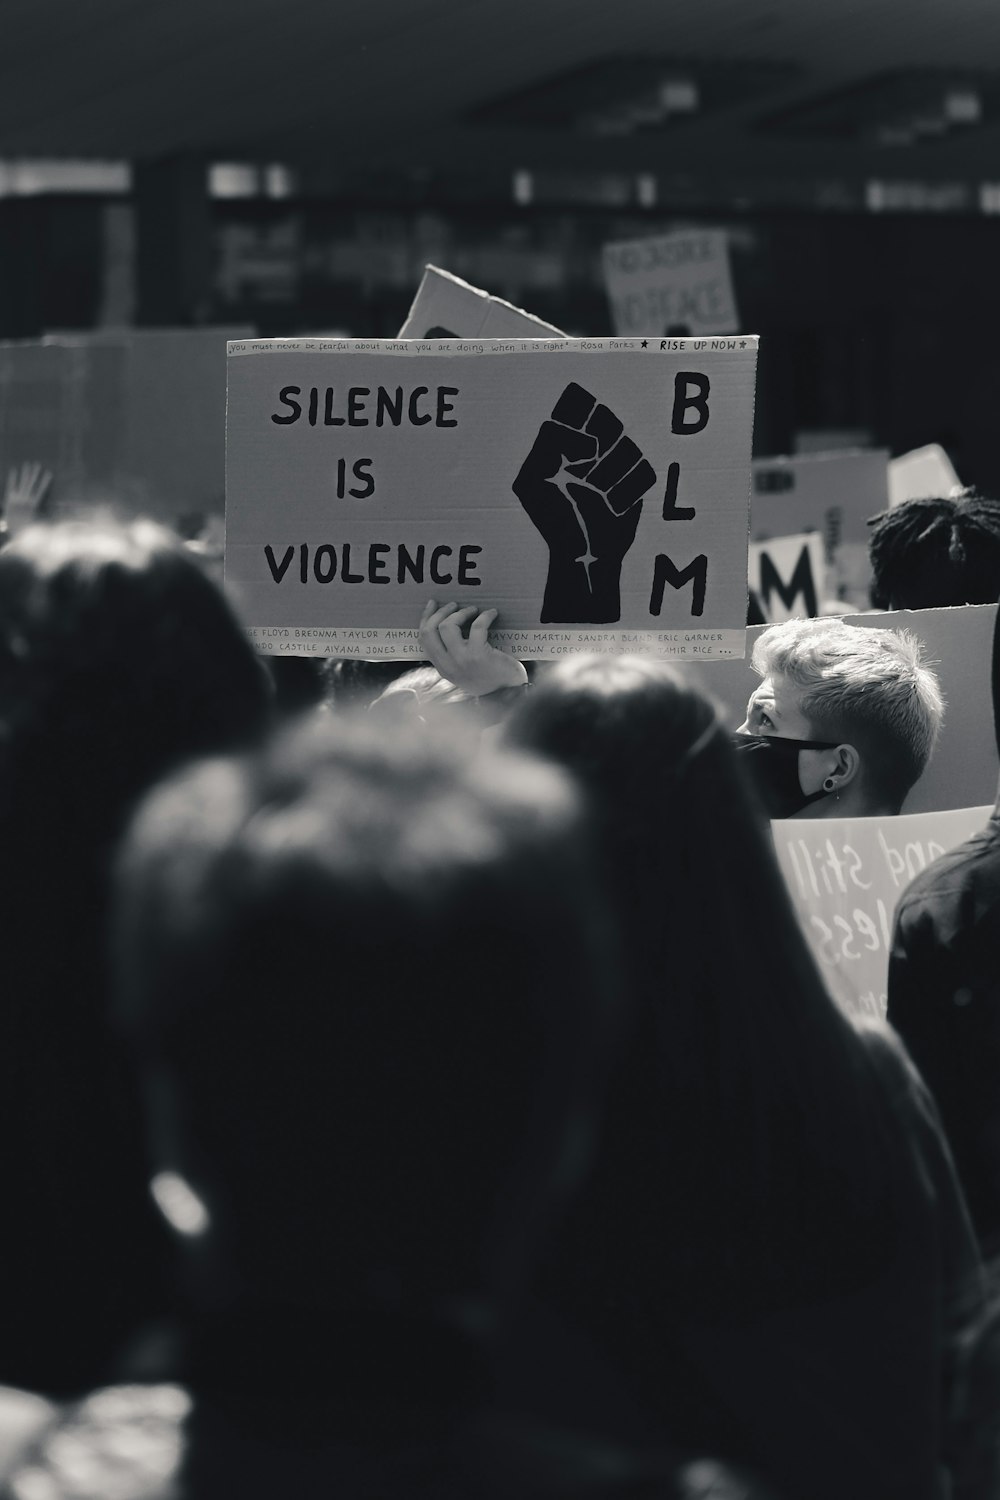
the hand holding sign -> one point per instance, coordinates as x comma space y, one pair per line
467, 661
582, 485
520, 479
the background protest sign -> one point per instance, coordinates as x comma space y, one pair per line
958, 643
845, 876
173, 414
132, 417
786, 576
923, 474
447, 307
671, 284
59, 406
595, 491
833, 494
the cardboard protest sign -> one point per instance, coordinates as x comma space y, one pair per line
811, 441
833, 494
160, 394
786, 576
446, 307
59, 407
595, 491
173, 448
845, 876
672, 284
924, 473
958, 643
133, 418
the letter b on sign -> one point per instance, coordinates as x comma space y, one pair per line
690, 413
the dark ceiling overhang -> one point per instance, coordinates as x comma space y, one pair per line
405, 84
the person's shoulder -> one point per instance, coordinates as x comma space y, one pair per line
902, 1084
925, 1144
888, 1056
968, 869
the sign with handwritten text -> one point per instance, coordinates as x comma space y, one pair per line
676, 283
832, 494
596, 491
845, 876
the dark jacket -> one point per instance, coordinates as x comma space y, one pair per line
944, 1000
826, 1363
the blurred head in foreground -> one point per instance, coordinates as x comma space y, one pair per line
772, 1195
844, 721
746, 1060
365, 975
118, 659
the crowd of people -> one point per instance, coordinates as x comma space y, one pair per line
384, 1115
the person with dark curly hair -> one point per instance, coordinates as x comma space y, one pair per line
936, 553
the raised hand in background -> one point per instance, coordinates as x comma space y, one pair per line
23, 494
582, 485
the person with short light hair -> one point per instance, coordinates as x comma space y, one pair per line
844, 721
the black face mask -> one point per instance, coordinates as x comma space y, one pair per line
773, 767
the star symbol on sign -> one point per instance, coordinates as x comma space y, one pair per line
645, 343
561, 480
743, 343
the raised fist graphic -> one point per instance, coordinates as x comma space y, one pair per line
582, 485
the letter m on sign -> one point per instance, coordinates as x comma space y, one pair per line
785, 572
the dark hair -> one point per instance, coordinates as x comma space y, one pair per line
749, 1089
372, 968
118, 659
936, 552
299, 684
